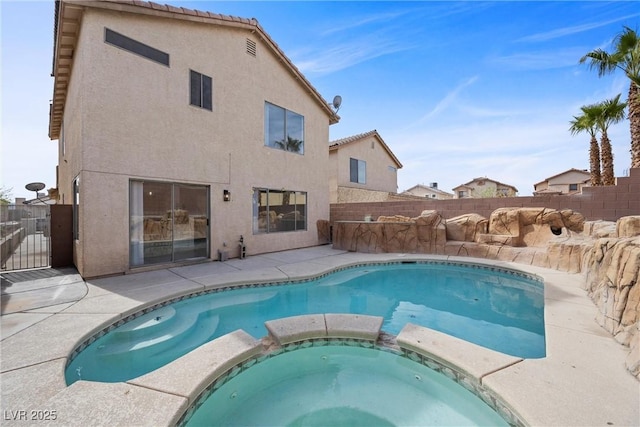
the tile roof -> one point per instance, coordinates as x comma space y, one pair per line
336, 144
484, 178
353, 138
427, 187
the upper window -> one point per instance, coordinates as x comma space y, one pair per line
358, 171
283, 129
573, 187
201, 90
134, 46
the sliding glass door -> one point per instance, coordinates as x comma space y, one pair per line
168, 222
190, 221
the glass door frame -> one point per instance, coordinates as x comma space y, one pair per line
149, 233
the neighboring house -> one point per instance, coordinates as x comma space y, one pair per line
180, 131
362, 162
568, 182
484, 187
429, 192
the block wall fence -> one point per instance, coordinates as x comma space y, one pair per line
608, 203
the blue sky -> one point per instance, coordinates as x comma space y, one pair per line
458, 90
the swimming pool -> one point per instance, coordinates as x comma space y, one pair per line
496, 308
348, 385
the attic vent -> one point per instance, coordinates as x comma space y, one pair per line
251, 47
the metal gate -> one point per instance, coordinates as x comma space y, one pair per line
25, 236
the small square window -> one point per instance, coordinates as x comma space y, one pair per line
573, 187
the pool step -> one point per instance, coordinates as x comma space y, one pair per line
160, 339
166, 327
343, 277
148, 323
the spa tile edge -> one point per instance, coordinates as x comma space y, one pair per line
353, 326
463, 356
297, 328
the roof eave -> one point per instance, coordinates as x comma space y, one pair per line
355, 138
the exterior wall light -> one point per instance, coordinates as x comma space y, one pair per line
226, 195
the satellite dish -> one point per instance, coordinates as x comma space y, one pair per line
337, 101
35, 186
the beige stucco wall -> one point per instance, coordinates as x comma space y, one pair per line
333, 177
561, 182
379, 177
357, 195
489, 188
129, 118
571, 177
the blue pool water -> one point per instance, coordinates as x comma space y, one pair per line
495, 309
341, 386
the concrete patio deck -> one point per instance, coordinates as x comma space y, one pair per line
581, 382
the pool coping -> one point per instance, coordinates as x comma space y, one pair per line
582, 381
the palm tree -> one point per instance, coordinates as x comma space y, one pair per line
626, 56
586, 122
290, 144
611, 112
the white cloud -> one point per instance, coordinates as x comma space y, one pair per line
361, 21
341, 56
447, 101
571, 30
541, 60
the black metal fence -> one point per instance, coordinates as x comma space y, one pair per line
25, 236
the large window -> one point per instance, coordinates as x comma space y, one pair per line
168, 222
358, 171
279, 210
283, 129
201, 90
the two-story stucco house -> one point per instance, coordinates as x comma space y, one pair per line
362, 168
484, 187
180, 131
430, 192
568, 182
